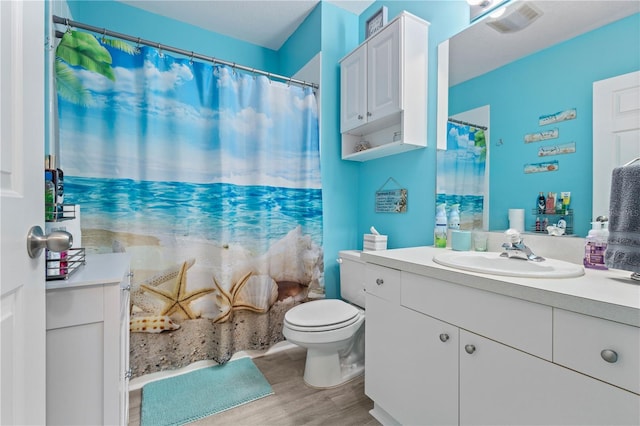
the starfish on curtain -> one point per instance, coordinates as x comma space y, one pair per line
178, 299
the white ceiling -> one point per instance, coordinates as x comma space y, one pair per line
266, 23
480, 48
476, 50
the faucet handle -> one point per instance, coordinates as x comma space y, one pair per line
513, 236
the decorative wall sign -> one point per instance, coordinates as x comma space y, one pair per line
549, 166
376, 22
541, 136
391, 200
566, 148
565, 115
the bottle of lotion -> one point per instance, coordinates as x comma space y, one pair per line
440, 232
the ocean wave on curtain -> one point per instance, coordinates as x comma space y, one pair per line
208, 177
461, 173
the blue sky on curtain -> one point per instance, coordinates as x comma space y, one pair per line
461, 173
209, 177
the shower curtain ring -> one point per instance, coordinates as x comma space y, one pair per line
104, 35
289, 82
191, 58
66, 21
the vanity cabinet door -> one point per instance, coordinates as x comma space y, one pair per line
500, 385
428, 367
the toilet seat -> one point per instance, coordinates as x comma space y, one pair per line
321, 315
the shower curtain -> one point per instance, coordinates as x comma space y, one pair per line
461, 173
208, 177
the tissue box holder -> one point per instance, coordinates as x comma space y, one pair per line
374, 242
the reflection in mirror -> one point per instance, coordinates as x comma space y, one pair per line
533, 68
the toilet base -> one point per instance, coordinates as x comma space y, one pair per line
323, 370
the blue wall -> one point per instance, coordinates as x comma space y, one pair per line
552, 80
414, 170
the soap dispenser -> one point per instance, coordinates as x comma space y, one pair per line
596, 244
440, 232
454, 217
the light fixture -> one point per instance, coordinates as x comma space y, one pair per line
498, 12
481, 3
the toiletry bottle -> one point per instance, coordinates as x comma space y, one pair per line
594, 247
454, 217
49, 197
440, 233
544, 225
538, 226
551, 203
541, 203
562, 223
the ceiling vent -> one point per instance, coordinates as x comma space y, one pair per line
520, 18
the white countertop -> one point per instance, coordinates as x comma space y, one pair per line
99, 269
607, 294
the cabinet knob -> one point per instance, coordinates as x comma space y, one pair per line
444, 337
127, 288
379, 281
130, 274
470, 348
609, 355
360, 117
369, 114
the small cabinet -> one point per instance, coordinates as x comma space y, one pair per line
383, 98
88, 344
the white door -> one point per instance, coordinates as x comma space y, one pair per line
22, 283
616, 132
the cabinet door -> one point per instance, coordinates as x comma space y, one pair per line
500, 385
353, 90
383, 73
427, 366
124, 350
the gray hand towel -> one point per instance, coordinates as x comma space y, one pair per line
623, 245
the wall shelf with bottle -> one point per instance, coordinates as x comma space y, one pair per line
552, 219
60, 266
59, 212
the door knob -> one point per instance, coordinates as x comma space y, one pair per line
56, 241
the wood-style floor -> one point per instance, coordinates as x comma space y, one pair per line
293, 403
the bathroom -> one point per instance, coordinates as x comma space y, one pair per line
348, 208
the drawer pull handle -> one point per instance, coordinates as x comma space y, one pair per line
470, 349
379, 281
360, 117
609, 355
444, 337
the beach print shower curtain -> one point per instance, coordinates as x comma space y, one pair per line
461, 173
208, 177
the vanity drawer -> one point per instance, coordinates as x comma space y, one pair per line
580, 342
518, 323
67, 307
382, 282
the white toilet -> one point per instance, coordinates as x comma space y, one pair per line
332, 330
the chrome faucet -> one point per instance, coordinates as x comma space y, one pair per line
515, 248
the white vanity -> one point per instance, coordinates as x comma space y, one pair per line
88, 344
445, 346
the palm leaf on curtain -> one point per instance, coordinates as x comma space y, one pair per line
209, 178
461, 173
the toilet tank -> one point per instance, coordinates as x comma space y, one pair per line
351, 277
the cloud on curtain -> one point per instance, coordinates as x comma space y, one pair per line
209, 177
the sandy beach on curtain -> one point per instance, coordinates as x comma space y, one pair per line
196, 339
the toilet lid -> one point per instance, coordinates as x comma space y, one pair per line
321, 313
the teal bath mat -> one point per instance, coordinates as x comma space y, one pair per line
201, 393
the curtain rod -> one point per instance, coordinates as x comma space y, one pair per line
190, 54
453, 120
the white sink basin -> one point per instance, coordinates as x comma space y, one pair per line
492, 263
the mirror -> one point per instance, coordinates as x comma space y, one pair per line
530, 69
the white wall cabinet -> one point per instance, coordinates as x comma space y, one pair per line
88, 344
459, 355
383, 99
